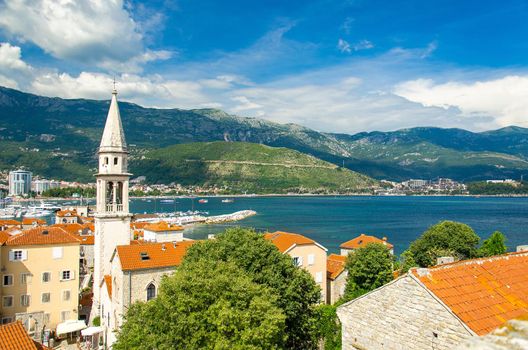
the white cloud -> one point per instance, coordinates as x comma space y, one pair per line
363, 45
92, 32
347, 25
344, 46
243, 104
505, 98
11, 58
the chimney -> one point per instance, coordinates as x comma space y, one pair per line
445, 260
422, 271
163, 247
522, 248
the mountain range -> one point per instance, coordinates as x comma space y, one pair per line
58, 138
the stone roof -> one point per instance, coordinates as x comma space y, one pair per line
141, 256
484, 293
362, 240
113, 139
335, 265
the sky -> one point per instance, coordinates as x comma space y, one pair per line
335, 66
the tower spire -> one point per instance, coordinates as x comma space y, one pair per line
113, 139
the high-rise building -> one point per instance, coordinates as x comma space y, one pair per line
19, 182
41, 185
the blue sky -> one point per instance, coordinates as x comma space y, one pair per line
338, 66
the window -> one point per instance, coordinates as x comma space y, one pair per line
66, 295
66, 275
65, 315
297, 261
46, 277
116, 161
311, 259
319, 277
25, 278
6, 320
7, 280
17, 255
151, 291
46, 297
106, 160
7, 301
57, 252
25, 300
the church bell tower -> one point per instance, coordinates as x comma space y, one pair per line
112, 217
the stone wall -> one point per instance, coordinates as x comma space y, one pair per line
336, 288
400, 315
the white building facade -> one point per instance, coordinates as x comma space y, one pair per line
19, 182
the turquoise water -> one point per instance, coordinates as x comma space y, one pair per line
333, 220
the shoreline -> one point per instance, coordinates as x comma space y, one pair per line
24, 200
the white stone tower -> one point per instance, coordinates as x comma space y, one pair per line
112, 217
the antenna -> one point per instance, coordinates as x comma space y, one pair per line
114, 83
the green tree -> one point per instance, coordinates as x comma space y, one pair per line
406, 261
494, 245
205, 306
368, 268
329, 327
296, 291
445, 238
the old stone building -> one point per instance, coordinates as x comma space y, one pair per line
438, 307
336, 275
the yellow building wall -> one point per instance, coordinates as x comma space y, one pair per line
318, 268
39, 260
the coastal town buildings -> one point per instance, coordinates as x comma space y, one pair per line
162, 232
19, 182
305, 252
40, 278
13, 336
336, 276
438, 307
361, 241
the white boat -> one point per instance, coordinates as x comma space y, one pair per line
203, 201
167, 201
37, 213
45, 206
228, 200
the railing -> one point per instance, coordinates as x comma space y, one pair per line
114, 208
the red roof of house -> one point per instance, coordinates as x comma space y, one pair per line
362, 240
9, 222
484, 293
31, 221
108, 282
162, 226
335, 265
42, 235
13, 336
63, 213
157, 255
285, 240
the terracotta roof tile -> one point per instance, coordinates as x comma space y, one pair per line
42, 235
484, 293
64, 213
335, 265
108, 282
13, 336
285, 240
151, 255
31, 221
9, 222
162, 226
4, 236
362, 240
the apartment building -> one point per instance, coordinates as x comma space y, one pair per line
39, 278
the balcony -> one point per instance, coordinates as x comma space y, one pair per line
114, 208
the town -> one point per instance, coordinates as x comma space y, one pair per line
92, 278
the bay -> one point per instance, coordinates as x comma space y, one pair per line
333, 220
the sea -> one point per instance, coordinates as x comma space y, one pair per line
332, 220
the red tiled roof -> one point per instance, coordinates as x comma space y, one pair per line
4, 236
31, 221
162, 226
285, 240
335, 265
484, 293
13, 336
42, 235
159, 255
63, 213
362, 240
9, 222
108, 282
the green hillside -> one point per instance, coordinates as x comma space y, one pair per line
247, 167
58, 138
